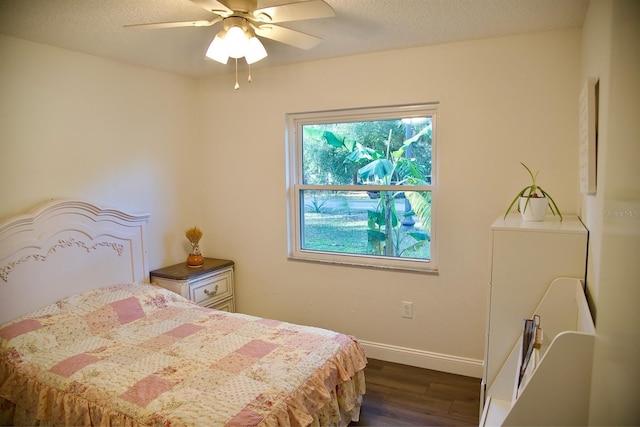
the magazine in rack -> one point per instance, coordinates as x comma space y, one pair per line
531, 341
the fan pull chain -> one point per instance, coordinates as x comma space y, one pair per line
249, 78
237, 86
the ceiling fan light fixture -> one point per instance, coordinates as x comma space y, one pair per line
218, 50
236, 42
255, 51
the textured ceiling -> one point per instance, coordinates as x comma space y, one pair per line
360, 26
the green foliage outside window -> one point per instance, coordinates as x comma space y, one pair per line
376, 155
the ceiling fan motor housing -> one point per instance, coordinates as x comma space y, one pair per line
245, 6
235, 21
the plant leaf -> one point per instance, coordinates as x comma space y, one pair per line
360, 153
379, 168
420, 236
514, 200
375, 219
421, 205
552, 205
331, 138
533, 177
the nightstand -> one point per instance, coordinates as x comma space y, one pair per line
209, 286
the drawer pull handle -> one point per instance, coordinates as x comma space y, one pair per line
211, 293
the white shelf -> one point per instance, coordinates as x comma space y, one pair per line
557, 389
526, 257
495, 411
514, 221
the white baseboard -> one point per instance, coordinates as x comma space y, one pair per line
423, 359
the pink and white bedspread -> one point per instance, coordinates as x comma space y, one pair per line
140, 355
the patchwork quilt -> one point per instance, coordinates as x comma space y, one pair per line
142, 355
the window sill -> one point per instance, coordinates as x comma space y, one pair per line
366, 262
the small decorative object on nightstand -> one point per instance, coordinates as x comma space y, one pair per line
210, 285
195, 258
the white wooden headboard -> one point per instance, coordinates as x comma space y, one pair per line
64, 247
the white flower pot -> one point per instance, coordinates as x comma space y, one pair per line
536, 208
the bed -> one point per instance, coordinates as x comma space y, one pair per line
85, 340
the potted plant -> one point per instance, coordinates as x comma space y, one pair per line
533, 201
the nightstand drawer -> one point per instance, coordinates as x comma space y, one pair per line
226, 305
210, 290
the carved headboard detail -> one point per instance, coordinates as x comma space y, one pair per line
62, 243
65, 247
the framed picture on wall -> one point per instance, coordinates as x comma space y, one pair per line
588, 135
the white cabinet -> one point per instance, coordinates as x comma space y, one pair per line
556, 389
526, 257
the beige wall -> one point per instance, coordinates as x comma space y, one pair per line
502, 101
611, 53
77, 126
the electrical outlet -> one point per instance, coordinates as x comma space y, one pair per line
407, 309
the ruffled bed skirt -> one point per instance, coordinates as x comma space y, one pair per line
344, 408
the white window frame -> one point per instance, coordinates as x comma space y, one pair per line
294, 123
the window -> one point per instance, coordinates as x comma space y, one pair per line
361, 186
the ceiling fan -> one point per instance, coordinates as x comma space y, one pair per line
242, 21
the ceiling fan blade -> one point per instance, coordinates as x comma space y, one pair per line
287, 36
214, 6
311, 9
177, 24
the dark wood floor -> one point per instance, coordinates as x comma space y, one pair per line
400, 395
